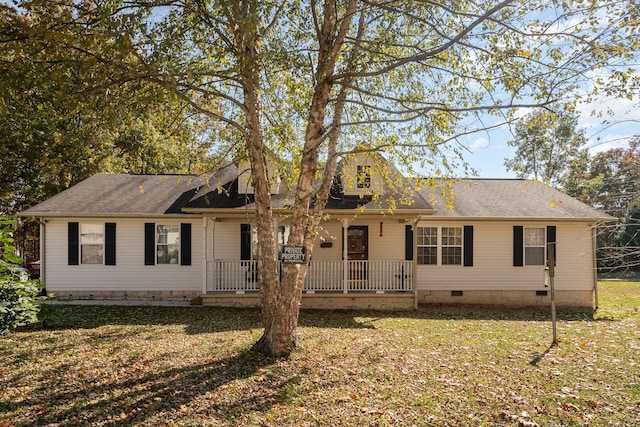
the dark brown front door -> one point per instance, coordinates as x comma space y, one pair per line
357, 250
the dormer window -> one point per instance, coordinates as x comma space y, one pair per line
364, 176
361, 175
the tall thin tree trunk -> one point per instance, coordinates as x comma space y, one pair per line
246, 35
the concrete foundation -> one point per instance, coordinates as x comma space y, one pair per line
187, 295
358, 301
577, 299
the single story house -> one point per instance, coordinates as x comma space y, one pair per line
192, 236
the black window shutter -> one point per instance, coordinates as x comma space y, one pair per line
110, 243
408, 242
73, 243
518, 246
551, 238
185, 244
468, 246
149, 243
245, 241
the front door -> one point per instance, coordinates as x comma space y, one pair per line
357, 250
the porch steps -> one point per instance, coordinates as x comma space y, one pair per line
324, 301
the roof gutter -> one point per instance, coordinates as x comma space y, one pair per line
336, 212
515, 218
104, 215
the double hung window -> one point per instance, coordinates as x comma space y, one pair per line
534, 246
451, 245
91, 243
428, 245
167, 244
440, 245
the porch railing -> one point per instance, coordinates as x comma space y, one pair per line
322, 276
232, 276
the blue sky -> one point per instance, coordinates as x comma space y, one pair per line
488, 151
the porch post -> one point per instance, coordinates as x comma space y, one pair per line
594, 260
205, 234
208, 248
415, 262
345, 261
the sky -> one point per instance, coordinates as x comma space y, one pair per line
487, 152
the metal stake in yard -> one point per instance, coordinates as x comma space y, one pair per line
551, 263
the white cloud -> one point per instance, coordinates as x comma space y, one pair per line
479, 144
608, 142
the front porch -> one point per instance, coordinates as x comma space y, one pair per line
328, 284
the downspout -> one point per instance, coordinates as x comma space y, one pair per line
415, 262
594, 247
43, 233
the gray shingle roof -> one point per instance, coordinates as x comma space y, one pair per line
154, 195
508, 198
108, 194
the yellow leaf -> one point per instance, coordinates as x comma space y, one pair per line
141, 188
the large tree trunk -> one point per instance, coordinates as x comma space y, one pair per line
281, 299
281, 336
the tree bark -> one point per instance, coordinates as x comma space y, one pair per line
282, 336
246, 36
281, 299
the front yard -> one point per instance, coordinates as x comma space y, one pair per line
95, 365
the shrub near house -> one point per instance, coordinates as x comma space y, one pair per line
19, 297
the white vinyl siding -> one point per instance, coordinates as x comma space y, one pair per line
388, 246
493, 261
130, 274
331, 232
226, 240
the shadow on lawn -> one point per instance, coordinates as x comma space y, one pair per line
169, 393
539, 357
196, 320
444, 312
201, 320
492, 312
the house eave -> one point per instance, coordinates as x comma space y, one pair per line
397, 213
233, 213
516, 219
105, 215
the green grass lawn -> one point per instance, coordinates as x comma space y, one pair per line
93, 365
